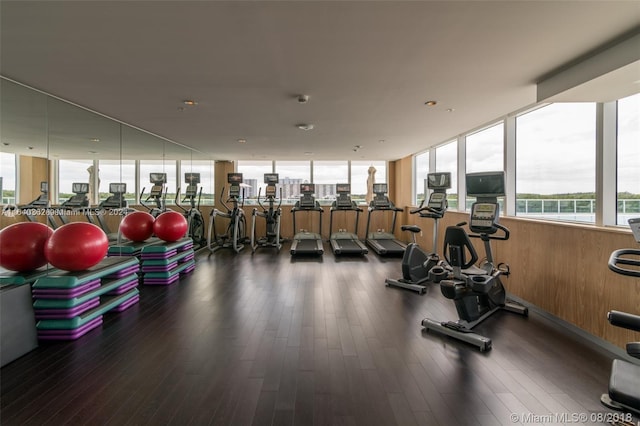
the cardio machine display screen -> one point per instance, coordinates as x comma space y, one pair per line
117, 188
380, 188
343, 187
192, 178
484, 210
439, 180
158, 178
271, 178
80, 188
234, 177
307, 188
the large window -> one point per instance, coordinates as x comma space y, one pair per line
628, 158
74, 171
7, 178
485, 150
555, 162
421, 168
158, 166
360, 174
325, 175
117, 171
253, 175
447, 161
206, 169
291, 175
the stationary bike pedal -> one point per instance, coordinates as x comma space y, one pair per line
504, 269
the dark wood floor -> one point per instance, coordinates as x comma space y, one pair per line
265, 339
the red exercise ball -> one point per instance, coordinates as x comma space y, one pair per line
137, 226
170, 226
76, 246
22, 246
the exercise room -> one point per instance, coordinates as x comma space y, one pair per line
320, 213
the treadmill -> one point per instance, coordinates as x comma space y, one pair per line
78, 203
343, 242
115, 204
383, 243
39, 205
305, 242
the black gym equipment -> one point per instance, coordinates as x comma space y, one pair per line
234, 237
383, 243
195, 220
158, 194
477, 292
77, 203
38, 206
624, 382
343, 242
271, 215
305, 242
416, 263
114, 205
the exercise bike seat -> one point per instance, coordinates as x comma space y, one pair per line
411, 228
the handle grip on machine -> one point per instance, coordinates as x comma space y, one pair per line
259, 203
503, 237
616, 259
176, 201
222, 200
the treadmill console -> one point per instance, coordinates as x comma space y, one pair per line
380, 200
307, 200
483, 217
343, 200
80, 198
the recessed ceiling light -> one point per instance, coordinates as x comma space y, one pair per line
450, 109
431, 103
94, 140
381, 141
242, 141
30, 147
308, 153
303, 126
6, 143
93, 152
190, 102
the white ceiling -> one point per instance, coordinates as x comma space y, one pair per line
368, 67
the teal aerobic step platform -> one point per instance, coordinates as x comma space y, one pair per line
107, 304
164, 275
132, 248
163, 248
106, 286
66, 279
162, 262
18, 278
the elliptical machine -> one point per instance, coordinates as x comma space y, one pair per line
158, 194
624, 383
271, 215
195, 220
416, 263
477, 292
234, 237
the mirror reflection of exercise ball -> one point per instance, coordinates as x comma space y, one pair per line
22, 246
76, 246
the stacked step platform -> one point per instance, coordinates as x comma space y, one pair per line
67, 305
162, 264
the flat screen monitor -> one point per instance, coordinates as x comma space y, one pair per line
380, 188
485, 184
234, 178
307, 188
158, 178
80, 188
440, 180
343, 188
271, 178
634, 224
192, 178
44, 187
117, 188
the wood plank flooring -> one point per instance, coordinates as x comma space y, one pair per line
265, 339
